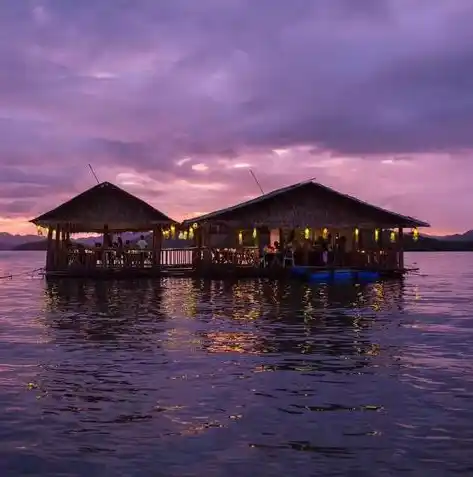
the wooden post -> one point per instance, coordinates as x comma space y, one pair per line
49, 252
57, 251
158, 245
105, 238
63, 258
198, 242
401, 248
153, 246
206, 243
256, 240
255, 233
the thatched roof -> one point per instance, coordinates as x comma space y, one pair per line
104, 204
308, 204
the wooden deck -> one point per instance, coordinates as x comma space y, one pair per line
121, 273
231, 272
219, 264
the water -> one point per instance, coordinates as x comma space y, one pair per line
181, 377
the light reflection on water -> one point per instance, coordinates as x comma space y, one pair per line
188, 377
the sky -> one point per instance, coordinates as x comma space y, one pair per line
176, 100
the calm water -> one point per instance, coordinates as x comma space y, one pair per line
188, 378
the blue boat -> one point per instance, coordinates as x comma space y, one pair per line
342, 275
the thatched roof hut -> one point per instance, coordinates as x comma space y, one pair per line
307, 204
103, 206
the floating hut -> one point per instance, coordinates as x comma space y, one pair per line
107, 210
318, 233
305, 220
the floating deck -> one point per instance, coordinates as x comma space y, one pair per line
228, 271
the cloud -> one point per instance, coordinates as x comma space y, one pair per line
191, 94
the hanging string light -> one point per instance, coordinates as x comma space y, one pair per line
255, 233
240, 237
376, 235
392, 236
191, 233
173, 231
415, 234
307, 233
357, 234
325, 233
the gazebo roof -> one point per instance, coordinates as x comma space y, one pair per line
104, 205
318, 201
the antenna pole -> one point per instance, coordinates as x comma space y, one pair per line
94, 174
257, 183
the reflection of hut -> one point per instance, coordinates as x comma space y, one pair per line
308, 215
110, 211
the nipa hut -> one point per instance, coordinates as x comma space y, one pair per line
110, 211
312, 219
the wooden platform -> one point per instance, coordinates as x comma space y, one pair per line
120, 273
228, 271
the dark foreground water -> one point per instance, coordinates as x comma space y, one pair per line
189, 378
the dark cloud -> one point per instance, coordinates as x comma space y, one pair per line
210, 75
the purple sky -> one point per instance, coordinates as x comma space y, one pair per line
174, 100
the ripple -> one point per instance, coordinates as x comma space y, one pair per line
191, 377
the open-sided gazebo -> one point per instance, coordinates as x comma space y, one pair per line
306, 214
108, 210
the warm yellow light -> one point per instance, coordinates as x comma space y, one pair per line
191, 232
255, 233
376, 235
392, 236
325, 233
357, 234
173, 231
415, 234
195, 225
307, 233
240, 237
40, 230
166, 234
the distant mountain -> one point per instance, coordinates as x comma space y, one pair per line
465, 237
9, 241
37, 245
431, 244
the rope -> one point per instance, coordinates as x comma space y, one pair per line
10, 276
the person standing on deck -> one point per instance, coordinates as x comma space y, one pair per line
142, 245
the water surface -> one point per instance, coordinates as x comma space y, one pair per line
183, 377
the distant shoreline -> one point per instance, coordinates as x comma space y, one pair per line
424, 244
